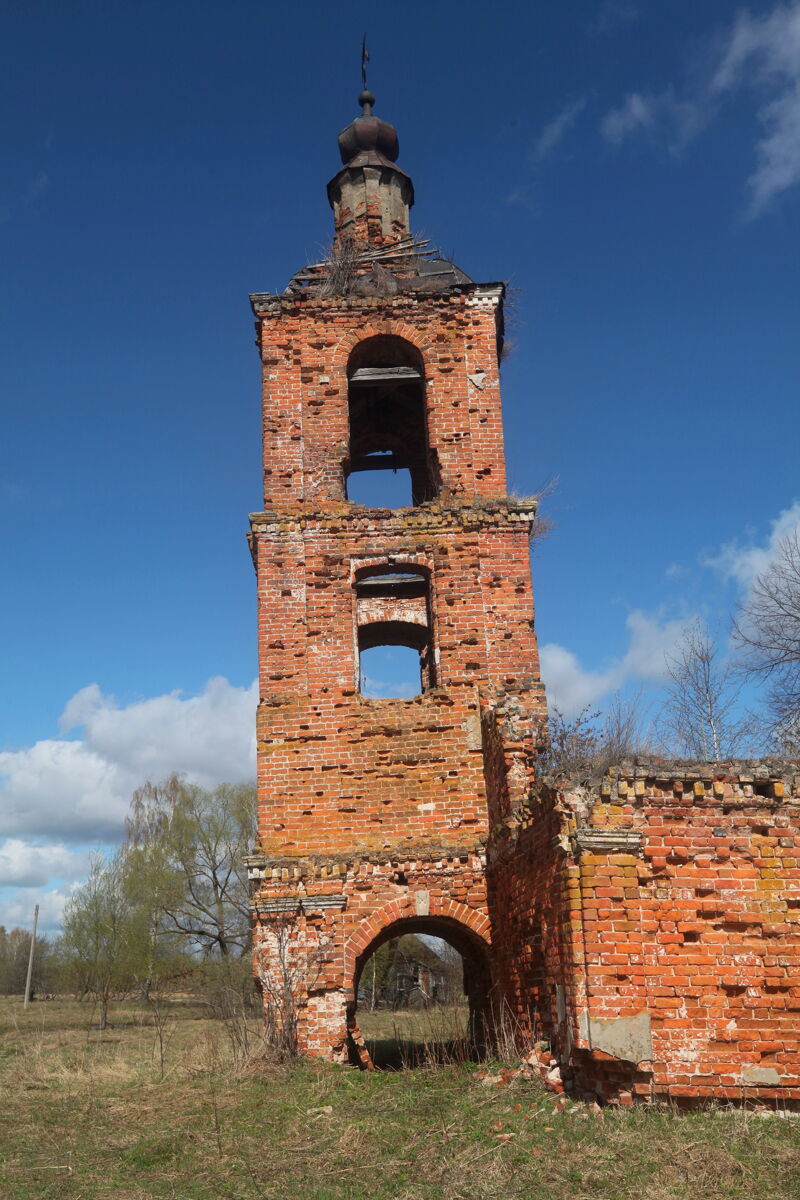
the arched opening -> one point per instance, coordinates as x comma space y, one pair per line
421, 991
388, 463
393, 622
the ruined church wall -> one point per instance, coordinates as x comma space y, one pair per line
317, 919
664, 915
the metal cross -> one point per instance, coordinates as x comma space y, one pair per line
364, 61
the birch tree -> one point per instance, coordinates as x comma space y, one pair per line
699, 717
767, 631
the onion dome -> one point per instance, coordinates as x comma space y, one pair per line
368, 135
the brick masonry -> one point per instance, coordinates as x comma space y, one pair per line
647, 928
651, 930
381, 807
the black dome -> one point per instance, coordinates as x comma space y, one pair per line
368, 133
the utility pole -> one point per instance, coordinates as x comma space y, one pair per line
30, 958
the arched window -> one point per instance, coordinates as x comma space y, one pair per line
393, 610
388, 464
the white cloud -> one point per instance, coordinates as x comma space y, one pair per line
28, 864
761, 52
571, 687
765, 52
557, 129
742, 562
210, 737
78, 790
637, 112
16, 908
61, 789
675, 119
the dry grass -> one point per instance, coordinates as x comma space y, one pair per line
403, 1038
88, 1116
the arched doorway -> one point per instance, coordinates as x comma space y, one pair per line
421, 994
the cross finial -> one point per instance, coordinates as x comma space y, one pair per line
364, 61
366, 99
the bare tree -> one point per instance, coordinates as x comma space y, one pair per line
699, 717
586, 745
573, 746
768, 633
15, 946
623, 732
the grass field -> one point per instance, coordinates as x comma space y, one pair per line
90, 1116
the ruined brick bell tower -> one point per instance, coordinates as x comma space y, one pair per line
374, 815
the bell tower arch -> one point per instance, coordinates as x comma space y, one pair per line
375, 814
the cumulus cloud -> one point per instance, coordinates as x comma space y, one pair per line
761, 53
210, 737
60, 788
555, 131
743, 561
16, 908
571, 687
26, 864
78, 789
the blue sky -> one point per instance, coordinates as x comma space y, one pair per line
632, 169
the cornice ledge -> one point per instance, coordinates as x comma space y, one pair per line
608, 841
347, 517
266, 304
301, 901
263, 866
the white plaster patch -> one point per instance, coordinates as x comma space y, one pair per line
763, 1075
626, 1038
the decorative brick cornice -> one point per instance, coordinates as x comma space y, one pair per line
733, 783
345, 520
267, 867
268, 304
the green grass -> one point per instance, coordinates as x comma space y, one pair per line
87, 1116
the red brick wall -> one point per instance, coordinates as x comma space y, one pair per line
305, 344
480, 592
337, 908
373, 813
663, 915
370, 774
